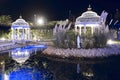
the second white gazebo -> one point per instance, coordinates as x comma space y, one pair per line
88, 22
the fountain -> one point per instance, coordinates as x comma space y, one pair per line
61, 27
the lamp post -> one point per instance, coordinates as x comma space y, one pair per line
35, 19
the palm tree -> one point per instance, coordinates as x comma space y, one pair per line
5, 20
117, 14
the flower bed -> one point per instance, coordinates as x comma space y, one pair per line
88, 53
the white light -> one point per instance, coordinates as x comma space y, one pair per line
19, 53
6, 76
35, 38
2, 63
113, 42
26, 53
3, 39
40, 21
67, 20
89, 74
110, 42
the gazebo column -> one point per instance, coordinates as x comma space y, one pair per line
80, 30
84, 29
23, 34
14, 34
17, 34
92, 30
28, 33
75, 28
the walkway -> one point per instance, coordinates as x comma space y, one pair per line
7, 45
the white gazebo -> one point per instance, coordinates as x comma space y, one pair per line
20, 30
88, 22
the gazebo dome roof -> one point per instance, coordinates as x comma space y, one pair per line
89, 16
20, 23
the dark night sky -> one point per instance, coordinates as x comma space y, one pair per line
54, 9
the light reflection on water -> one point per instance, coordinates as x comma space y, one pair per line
22, 54
23, 70
25, 73
28, 74
38, 67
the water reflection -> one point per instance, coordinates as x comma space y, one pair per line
27, 67
28, 74
22, 54
41, 67
38, 67
32, 69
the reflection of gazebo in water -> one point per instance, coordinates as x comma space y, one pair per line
20, 30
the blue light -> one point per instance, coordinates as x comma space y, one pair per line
21, 27
27, 74
0, 76
30, 47
22, 54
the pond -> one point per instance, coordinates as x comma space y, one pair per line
40, 67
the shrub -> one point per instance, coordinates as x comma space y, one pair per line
100, 40
59, 39
70, 38
86, 41
65, 39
